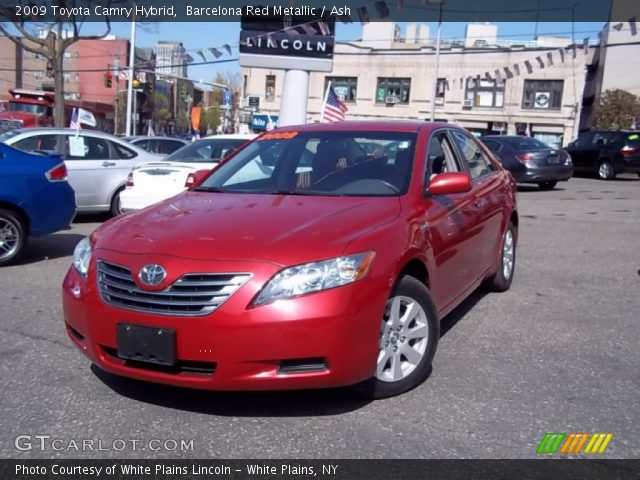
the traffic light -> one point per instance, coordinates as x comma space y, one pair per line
108, 79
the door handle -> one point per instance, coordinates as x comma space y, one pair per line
108, 164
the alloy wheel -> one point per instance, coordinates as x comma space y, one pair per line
508, 253
404, 335
9, 237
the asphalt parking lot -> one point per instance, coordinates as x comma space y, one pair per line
559, 352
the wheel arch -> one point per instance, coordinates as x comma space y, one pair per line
18, 211
416, 268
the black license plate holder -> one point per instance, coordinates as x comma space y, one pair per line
146, 344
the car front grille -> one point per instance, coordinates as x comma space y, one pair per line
193, 294
7, 124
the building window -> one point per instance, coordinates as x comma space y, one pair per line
38, 75
67, 54
67, 77
542, 94
393, 90
77, 77
37, 56
440, 89
345, 87
484, 93
270, 88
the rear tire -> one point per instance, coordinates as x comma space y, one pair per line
13, 237
116, 206
605, 170
409, 334
550, 185
501, 281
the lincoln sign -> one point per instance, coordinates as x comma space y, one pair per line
300, 43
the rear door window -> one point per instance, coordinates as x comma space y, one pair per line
478, 162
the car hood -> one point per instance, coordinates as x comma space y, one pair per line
281, 229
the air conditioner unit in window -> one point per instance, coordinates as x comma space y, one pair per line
468, 103
392, 99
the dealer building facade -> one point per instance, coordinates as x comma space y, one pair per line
485, 85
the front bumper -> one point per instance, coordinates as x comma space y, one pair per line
558, 173
239, 347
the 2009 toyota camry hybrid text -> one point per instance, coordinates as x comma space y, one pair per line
315, 256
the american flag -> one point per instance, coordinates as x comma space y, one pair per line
334, 107
74, 123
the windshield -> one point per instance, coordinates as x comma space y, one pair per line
7, 135
319, 163
27, 108
207, 150
526, 143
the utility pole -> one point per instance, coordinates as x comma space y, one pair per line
132, 58
435, 78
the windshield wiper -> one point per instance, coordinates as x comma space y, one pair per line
291, 192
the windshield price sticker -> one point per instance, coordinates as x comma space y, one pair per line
278, 136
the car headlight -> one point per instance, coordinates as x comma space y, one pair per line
316, 276
568, 161
82, 256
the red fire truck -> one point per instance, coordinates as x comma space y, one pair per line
34, 108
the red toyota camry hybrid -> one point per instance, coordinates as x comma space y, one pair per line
316, 256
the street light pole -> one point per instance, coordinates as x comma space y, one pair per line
435, 78
132, 55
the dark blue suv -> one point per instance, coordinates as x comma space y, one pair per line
35, 199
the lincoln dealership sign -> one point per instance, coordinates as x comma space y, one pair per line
282, 44
287, 42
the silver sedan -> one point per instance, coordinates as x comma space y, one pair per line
98, 163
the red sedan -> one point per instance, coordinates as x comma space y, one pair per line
316, 256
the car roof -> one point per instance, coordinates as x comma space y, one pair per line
370, 125
84, 131
155, 137
232, 136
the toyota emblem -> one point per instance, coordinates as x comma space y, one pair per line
152, 274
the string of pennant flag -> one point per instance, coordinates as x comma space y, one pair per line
319, 27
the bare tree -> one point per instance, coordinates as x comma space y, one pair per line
26, 32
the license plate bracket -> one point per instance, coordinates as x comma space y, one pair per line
146, 344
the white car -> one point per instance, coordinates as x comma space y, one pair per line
152, 182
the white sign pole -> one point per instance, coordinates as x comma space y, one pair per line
293, 103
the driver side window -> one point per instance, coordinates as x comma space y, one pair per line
440, 156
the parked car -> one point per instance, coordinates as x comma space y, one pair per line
606, 153
151, 182
157, 145
98, 163
530, 160
35, 199
297, 278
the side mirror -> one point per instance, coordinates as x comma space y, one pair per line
450, 183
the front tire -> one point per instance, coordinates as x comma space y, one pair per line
501, 281
409, 334
605, 170
550, 185
13, 237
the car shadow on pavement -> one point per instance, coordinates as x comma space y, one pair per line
48, 247
291, 403
522, 188
461, 310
